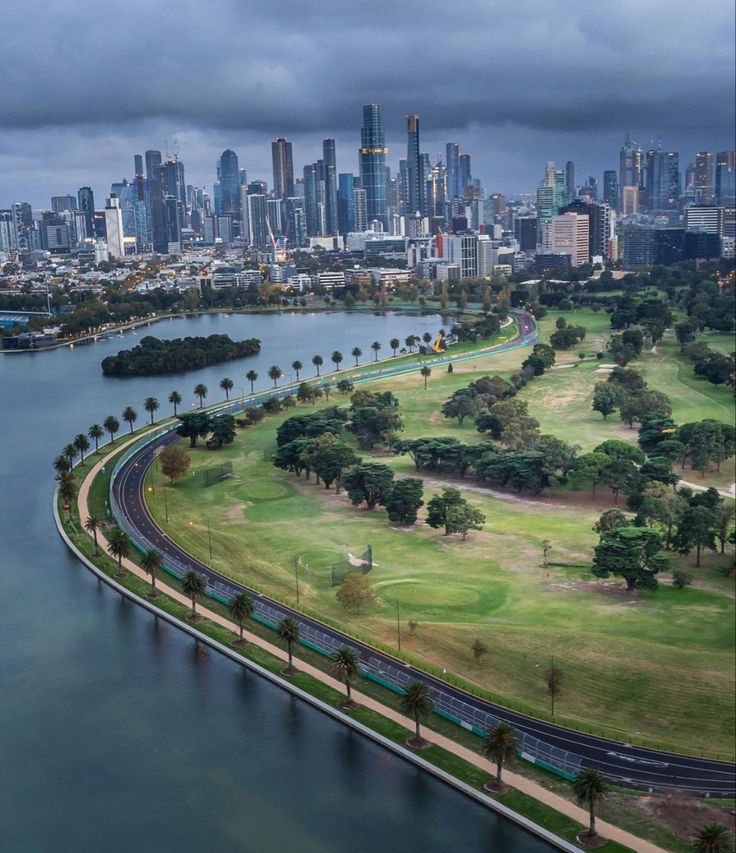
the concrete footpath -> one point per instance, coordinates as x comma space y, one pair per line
515, 780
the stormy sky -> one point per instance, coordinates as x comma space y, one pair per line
515, 82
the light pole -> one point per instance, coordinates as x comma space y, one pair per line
296, 577
209, 537
398, 624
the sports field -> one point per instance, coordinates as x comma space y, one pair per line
656, 666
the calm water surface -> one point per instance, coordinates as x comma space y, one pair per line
117, 733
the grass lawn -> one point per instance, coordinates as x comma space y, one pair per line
645, 666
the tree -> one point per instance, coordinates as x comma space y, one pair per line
174, 461
318, 361
68, 491
111, 425
417, 705
724, 517
590, 788
611, 519
463, 404
223, 431
546, 547
296, 366
356, 354
119, 546
606, 398
227, 386
344, 668
130, 416
375, 346
329, 457
500, 745
645, 405
712, 837
274, 373
355, 592
96, 432
241, 608
200, 391
151, 563
662, 505
150, 404
92, 524
336, 358
479, 648
696, 529
631, 553
553, 679
62, 466
590, 468
404, 500
193, 585
251, 376
464, 517
70, 453
394, 343
426, 372
374, 417
681, 578
515, 428
175, 400
345, 386
194, 425
369, 482
288, 632
81, 442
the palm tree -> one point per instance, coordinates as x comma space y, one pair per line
200, 391
375, 346
712, 838
394, 343
288, 631
336, 357
70, 453
426, 373
251, 376
590, 788
500, 744
61, 466
296, 366
96, 432
417, 705
427, 338
274, 372
175, 400
92, 525
150, 404
130, 416
345, 669
241, 608
81, 442
68, 491
151, 562
356, 354
193, 584
227, 386
119, 547
318, 361
112, 425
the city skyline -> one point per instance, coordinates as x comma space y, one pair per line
541, 84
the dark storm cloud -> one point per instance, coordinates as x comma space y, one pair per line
491, 73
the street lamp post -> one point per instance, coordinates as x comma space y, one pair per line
296, 577
398, 624
209, 537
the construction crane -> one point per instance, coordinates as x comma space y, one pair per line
439, 344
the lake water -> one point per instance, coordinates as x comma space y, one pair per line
117, 733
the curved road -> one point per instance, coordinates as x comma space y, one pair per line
564, 748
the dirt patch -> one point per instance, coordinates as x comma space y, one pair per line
683, 815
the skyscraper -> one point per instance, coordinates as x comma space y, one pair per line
703, 178
663, 180
86, 199
329, 176
114, 228
452, 155
415, 178
373, 164
345, 203
629, 174
228, 176
156, 201
570, 179
726, 177
464, 173
610, 188
551, 196
283, 168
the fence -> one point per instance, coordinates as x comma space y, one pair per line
351, 565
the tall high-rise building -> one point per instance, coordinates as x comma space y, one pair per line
361, 209
257, 219
415, 201
663, 180
156, 201
63, 202
570, 235
329, 176
283, 168
373, 164
114, 228
630, 171
228, 176
296, 221
465, 175
551, 196
172, 180
312, 198
452, 156
703, 177
86, 199
610, 188
345, 202
570, 180
726, 177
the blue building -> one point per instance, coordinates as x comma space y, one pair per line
373, 164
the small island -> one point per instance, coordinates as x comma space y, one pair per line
153, 356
